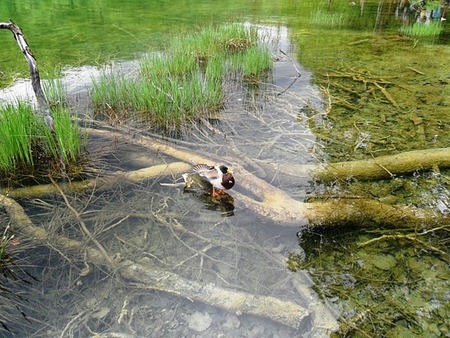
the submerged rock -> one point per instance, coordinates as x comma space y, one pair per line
384, 262
199, 322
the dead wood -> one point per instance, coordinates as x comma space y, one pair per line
102, 183
270, 202
376, 168
34, 71
275, 204
43, 106
284, 312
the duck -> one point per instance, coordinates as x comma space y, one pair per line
220, 177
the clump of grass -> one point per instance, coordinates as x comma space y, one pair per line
26, 141
55, 92
186, 81
254, 61
15, 135
422, 29
68, 135
110, 95
327, 19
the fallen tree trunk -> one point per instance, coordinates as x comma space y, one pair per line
269, 201
381, 167
275, 204
143, 276
103, 183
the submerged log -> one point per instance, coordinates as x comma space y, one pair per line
144, 276
103, 183
376, 168
261, 197
284, 312
275, 204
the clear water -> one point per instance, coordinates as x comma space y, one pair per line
260, 129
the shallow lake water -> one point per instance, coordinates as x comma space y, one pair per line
185, 262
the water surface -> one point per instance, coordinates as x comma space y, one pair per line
333, 112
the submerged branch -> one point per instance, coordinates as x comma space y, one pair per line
268, 201
103, 183
85, 229
143, 276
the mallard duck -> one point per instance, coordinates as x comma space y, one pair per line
220, 177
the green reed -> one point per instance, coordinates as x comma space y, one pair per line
16, 137
4, 240
55, 92
255, 60
25, 139
324, 18
186, 81
422, 29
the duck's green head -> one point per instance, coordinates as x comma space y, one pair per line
225, 170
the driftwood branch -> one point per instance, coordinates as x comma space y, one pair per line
43, 106
34, 71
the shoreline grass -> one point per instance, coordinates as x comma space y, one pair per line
185, 82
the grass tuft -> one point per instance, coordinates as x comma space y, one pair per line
422, 29
26, 141
4, 242
327, 19
186, 81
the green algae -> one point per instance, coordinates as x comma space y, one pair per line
383, 94
385, 289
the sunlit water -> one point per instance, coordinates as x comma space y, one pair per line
260, 128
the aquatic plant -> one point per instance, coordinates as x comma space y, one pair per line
186, 81
325, 18
383, 283
55, 92
26, 140
422, 29
108, 94
68, 135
